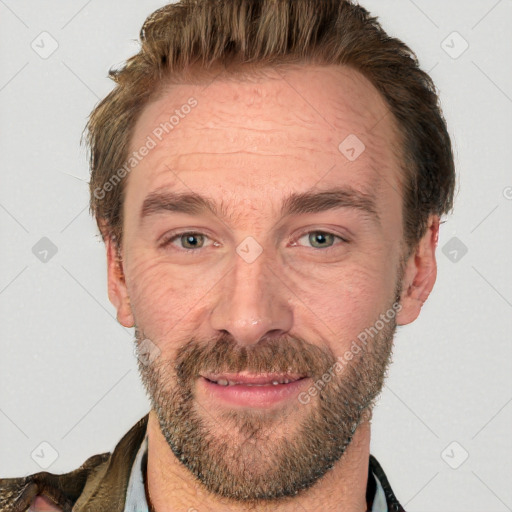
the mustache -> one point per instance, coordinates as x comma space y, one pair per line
270, 355
283, 354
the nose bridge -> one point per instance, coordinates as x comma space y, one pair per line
251, 303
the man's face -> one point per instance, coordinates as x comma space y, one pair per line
265, 285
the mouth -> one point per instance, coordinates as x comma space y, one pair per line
251, 390
269, 379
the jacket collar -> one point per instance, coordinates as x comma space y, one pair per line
107, 489
391, 500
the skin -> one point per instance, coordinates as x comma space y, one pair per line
248, 144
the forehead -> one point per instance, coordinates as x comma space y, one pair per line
247, 139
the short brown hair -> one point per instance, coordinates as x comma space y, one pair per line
267, 33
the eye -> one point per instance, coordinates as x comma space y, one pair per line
321, 239
188, 240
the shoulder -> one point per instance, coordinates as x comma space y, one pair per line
98, 484
62, 490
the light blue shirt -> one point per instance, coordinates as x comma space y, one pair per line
136, 494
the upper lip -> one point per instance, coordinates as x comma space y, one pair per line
248, 378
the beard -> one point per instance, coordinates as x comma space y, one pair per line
260, 455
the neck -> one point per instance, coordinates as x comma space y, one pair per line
173, 487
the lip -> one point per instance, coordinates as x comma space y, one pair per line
254, 392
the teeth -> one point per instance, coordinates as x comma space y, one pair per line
225, 382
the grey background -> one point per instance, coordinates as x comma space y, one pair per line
68, 374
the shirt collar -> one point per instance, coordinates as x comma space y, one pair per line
136, 493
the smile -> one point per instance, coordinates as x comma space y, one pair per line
262, 390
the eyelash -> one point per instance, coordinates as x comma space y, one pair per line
331, 247
173, 236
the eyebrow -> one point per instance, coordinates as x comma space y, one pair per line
295, 203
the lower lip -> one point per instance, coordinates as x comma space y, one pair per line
252, 396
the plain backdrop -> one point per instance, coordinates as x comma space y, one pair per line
69, 384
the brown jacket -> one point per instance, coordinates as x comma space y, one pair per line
100, 483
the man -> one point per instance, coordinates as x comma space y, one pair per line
268, 177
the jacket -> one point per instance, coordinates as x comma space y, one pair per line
100, 483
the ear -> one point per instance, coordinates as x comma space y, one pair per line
117, 291
419, 274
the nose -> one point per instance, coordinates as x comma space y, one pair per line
252, 303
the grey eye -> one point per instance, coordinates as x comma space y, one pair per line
320, 239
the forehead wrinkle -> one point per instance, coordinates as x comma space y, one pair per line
237, 137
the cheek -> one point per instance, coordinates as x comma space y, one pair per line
344, 301
165, 299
